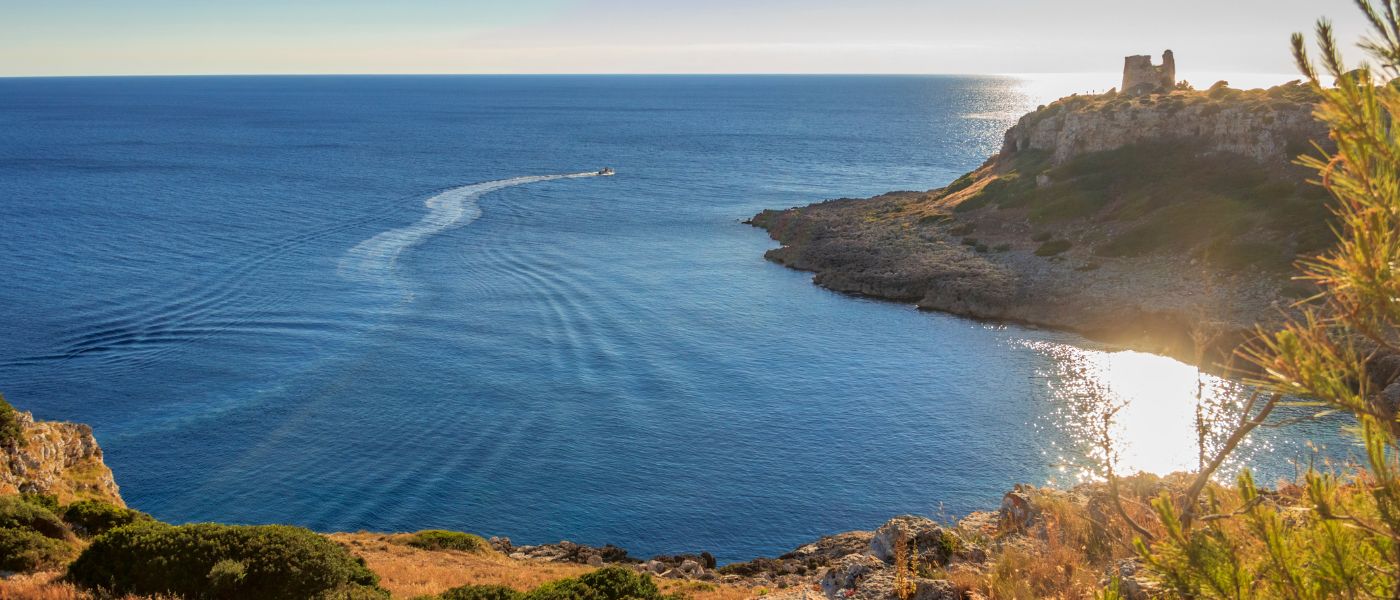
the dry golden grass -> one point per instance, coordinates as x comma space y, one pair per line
37, 586
1065, 555
407, 572
45, 586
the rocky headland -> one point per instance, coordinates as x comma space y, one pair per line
57, 459
1167, 222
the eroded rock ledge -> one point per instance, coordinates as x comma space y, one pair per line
60, 459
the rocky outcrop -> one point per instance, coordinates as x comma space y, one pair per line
1130, 265
564, 551
920, 537
1154, 304
61, 459
1269, 130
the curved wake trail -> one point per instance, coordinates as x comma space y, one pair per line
375, 258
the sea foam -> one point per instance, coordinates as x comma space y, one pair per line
375, 258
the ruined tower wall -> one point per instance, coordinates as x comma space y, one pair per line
1140, 76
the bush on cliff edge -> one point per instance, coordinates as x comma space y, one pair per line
438, 539
90, 518
206, 560
28, 550
11, 430
607, 583
480, 592
17, 513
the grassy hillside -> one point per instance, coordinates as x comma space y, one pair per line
1152, 199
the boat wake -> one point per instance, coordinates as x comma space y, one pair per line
375, 258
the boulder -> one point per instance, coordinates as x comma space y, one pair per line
502, 545
691, 568
848, 573
934, 589
832, 547
1016, 512
921, 535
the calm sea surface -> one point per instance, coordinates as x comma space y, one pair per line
353, 303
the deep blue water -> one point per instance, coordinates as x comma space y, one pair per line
237, 282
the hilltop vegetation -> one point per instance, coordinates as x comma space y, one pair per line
1163, 199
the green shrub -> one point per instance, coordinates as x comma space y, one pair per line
274, 562
29, 550
481, 592
615, 583
959, 184
607, 583
47, 501
977, 201
354, 592
11, 430
15, 513
226, 576
438, 539
1053, 247
89, 518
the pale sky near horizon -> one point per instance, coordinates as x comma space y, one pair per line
169, 37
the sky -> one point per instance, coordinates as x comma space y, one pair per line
173, 37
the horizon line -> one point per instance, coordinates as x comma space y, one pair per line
548, 74
612, 74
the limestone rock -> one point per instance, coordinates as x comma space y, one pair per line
934, 589
920, 534
57, 458
570, 552
1016, 511
848, 573
832, 547
691, 568
1264, 133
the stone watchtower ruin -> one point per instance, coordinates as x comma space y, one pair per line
1140, 76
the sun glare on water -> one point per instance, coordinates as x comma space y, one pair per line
1140, 411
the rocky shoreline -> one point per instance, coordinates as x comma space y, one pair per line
926, 558
1084, 223
1158, 305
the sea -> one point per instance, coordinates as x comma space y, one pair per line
392, 303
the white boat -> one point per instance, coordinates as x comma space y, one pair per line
605, 171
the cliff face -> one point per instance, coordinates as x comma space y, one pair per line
1269, 129
56, 458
